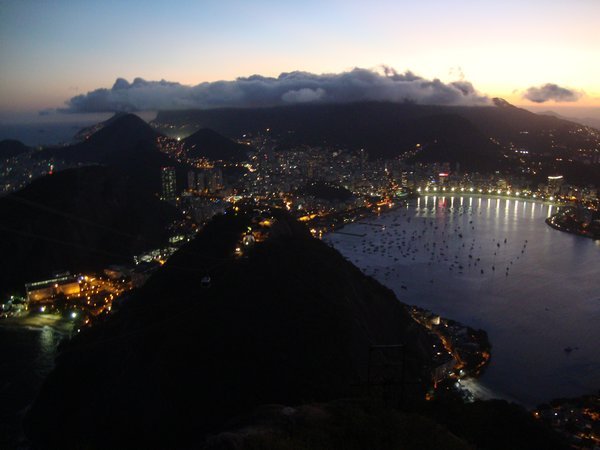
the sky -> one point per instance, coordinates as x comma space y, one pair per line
543, 54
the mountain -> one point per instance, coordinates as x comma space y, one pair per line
290, 322
385, 130
77, 219
124, 130
10, 148
210, 144
120, 133
84, 133
593, 122
465, 134
127, 144
587, 121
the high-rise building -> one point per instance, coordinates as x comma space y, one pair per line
168, 184
191, 180
554, 184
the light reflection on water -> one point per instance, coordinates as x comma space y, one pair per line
535, 295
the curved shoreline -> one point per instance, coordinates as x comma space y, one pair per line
410, 200
39, 322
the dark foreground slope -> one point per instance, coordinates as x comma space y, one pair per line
291, 323
79, 219
185, 365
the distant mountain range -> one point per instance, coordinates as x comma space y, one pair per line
469, 135
587, 121
128, 144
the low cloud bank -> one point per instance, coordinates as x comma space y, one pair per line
549, 92
288, 88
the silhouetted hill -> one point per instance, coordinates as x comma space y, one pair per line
123, 130
122, 133
291, 323
210, 144
127, 144
86, 132
10, 148
77, 219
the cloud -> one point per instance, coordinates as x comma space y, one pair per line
303, 95
551, 91
291, 87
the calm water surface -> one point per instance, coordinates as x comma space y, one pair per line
493, 263
27, 357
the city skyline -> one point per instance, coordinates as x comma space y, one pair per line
52, 53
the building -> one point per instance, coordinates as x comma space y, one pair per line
554, 184
213, 180
66, 284
191, 180
168, 184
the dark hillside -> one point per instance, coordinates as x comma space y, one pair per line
291, 323
77, 219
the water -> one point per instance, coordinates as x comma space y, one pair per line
39, 134
53, 129
538, 295
27, 357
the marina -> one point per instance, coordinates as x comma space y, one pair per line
494, 264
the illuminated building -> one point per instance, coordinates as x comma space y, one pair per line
168, 184
43, 290
554, 184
